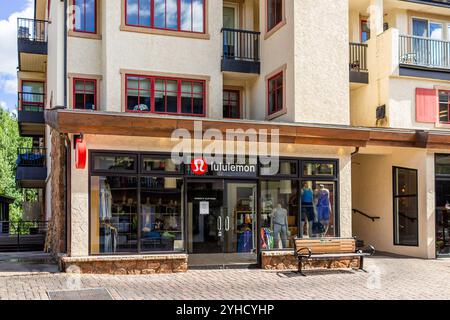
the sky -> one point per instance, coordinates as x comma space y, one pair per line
10, 10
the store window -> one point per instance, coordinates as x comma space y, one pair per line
175, 15
114, 215
132, 212
115, 163
165, 95
85, 95
287, 168
318, 208
275, 94
159, 165
406, 222
279, 214
161, 214
85, 16
231, 104
318, 169
444, 107
274, 13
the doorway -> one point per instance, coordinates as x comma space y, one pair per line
222, 223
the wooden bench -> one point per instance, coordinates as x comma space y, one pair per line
329, 249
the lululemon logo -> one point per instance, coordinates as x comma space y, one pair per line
199, 166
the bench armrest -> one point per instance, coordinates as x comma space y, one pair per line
304, 253
367, 249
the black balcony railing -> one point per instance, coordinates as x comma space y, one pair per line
22, 235
358, 57
31, 102
32, 30
241, 51
424, 52
31, 157
240, 44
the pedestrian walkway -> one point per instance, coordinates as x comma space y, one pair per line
387, 278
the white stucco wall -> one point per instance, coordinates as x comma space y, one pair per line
372, 183
321, 61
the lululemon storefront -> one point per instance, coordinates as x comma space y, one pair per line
144, 204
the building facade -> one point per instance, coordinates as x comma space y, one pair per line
360, 104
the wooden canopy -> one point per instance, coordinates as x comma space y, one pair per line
130, 124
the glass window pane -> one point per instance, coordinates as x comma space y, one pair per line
155, 164
132, 82
90, 15
90, 102
79, 101
198, 87
89, 86
406, 227
144, 13
285, 167
32, 87
172, 102
318, 169
144, 84
162, 214
186, 15
443, 164
114, 215
171, 14
443, 112
79, 86
132, 12
406, 182
172, 86
186, 87
114, 163
160, 13
198, 104
279, 214
159, 102
198, 15
160, 85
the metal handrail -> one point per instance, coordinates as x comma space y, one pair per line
424, 52
31, 157
241, 44
32, 30
358, 57
31, 102
23, 227
366, 215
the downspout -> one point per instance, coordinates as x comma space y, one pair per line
65, 53
356, 151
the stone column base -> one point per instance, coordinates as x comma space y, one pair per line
122, 265
281, 260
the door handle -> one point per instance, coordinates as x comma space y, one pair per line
219, 223
227, 224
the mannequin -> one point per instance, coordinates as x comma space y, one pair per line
280, 225
324, 208
307, 196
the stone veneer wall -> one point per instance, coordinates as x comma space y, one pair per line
123, 265
287, 261
56, 234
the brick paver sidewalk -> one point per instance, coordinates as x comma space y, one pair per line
388, 278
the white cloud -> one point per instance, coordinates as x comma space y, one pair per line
8, 49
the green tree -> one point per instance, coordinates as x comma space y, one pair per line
10, 141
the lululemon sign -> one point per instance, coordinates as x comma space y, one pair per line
199, 166
80, 154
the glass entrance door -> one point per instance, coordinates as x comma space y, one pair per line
221, 223
240, 223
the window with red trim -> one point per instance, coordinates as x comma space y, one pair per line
165, 95
275, 94
444, 107
177, 15
274, 13
85, 94
231, 104
85, 16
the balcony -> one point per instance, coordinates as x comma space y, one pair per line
424, 57
31, 114
241, 51
32, 44
359, 72
31, 168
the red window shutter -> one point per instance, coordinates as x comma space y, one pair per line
426, 105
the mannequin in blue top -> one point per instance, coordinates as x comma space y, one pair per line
307, 197
323, 207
